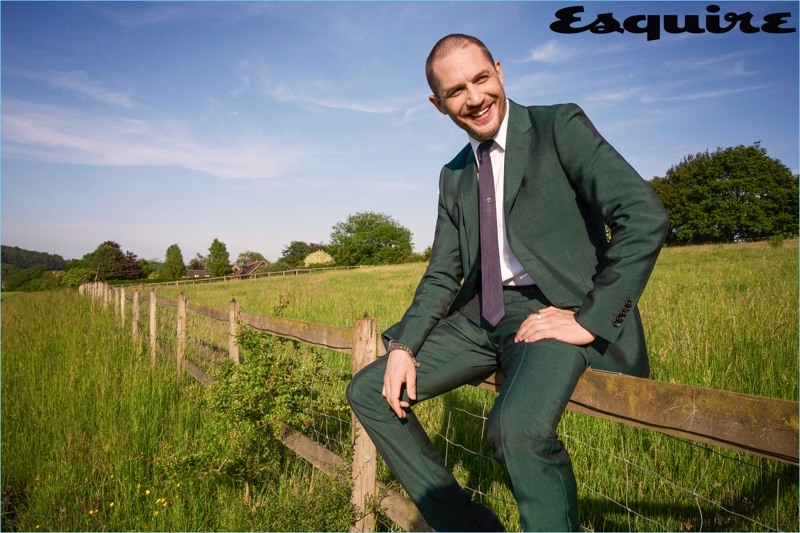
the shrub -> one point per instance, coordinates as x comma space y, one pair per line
776, 241
245, 409
318, 259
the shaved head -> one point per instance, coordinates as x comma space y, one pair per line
447, 45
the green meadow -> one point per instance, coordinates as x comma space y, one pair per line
85, 417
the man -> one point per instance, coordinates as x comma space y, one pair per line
521, 277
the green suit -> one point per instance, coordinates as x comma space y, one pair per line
563, 184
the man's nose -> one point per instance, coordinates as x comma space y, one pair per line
474, 96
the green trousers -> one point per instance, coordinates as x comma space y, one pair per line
539, 380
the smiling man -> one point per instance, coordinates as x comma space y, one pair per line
521, 278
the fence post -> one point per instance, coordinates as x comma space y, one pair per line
106, 294
181, 359
122, 298
233, 346
364, 454
135, 315
153, 332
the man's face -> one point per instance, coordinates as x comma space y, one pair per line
470, 91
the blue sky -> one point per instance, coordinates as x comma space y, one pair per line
262, 123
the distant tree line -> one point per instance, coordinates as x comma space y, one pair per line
19, 258
729, 195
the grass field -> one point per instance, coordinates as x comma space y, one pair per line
712, 313
718, 316
83, 414
87, 424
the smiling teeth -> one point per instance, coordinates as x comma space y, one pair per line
481, 112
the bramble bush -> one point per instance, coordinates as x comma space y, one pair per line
245, 409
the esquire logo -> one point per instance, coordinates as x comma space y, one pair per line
568, 22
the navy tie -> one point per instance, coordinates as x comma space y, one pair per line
492, 307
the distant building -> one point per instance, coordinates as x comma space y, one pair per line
197, 274
245, 271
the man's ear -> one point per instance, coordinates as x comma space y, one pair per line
437, 104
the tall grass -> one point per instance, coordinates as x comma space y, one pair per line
722, 316
85, 422
85, 418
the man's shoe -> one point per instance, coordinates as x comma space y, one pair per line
488, 521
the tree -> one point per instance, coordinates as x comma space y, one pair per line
295, 254
20, 258
219, 263
731, 193
37, 278
198, 262
128, 267
248, 257
173, 266
368, 238
75, 277
104, 260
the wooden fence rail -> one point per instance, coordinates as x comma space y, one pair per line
199, 281
760, 426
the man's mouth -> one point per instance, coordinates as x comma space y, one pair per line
479, 114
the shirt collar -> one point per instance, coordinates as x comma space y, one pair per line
499, 137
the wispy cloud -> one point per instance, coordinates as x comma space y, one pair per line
283, 93
78, 82
550, 52
135, 15
615, 96
701, 95
82, 84
58, 134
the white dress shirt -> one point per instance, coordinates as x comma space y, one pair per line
511, 269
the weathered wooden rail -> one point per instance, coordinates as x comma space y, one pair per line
765, 427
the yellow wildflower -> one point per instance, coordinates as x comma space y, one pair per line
147, 492
111, 504
155, 512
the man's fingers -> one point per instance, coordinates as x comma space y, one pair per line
399, 371
411, 386
553, 323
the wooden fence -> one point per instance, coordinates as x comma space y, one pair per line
760, 426
256, 275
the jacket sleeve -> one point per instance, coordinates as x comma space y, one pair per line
628, 206
439, 284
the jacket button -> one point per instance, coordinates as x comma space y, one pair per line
628, 304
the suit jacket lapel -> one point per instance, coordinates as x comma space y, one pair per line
469, 207
517, 146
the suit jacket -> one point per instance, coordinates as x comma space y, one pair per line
563, 184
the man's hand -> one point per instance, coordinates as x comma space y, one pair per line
554, 323
400, 370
